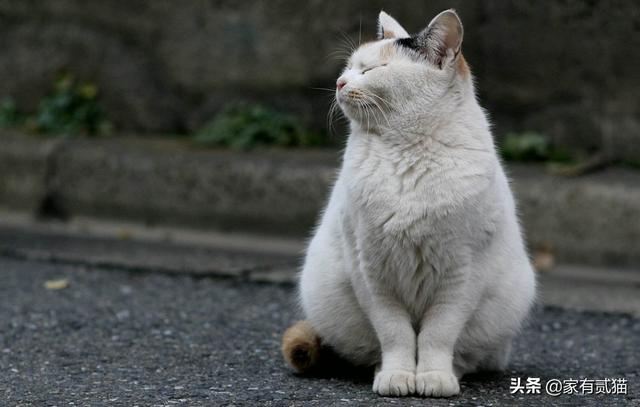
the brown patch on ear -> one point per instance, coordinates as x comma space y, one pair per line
463, 67
301, 346
388, 34
387, 52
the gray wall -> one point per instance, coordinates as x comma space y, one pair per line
568, 68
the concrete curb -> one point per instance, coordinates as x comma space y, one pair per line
93, 244
593, 219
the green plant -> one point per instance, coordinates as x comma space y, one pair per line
248, 126
9, 115
527, 146
70, 109
531, 146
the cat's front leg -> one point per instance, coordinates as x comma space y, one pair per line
396, 374
439, 330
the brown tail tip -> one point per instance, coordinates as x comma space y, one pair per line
301, 346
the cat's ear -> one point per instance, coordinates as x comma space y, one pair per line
388, 27
441, 41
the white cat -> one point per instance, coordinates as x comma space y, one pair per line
418, 265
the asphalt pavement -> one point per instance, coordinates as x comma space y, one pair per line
124, 334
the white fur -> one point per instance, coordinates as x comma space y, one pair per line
391, 26
418, 265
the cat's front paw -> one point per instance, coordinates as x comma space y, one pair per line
437, 383
394, 383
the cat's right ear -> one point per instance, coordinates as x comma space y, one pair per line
388, 27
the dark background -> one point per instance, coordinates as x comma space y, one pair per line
567, 69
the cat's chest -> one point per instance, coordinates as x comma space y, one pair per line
394, 197
403, 232
411, 222
410, 266
401, 191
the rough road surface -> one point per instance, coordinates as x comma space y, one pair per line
130, 336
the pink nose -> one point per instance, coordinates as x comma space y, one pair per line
341, 83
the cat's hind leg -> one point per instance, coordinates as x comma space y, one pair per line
488, 359
487, 338
497, 358
331, 308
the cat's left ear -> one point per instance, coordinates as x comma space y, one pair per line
388, 27
441, 41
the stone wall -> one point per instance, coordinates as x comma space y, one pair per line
567, 68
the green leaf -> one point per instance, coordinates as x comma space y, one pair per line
71, 109
244, 127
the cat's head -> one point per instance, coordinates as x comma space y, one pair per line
399, 75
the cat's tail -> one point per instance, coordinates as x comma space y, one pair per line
301, 346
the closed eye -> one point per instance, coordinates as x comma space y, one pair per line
373, 67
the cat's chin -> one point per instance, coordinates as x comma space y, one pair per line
357, 111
